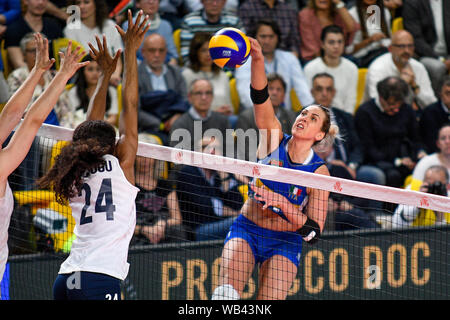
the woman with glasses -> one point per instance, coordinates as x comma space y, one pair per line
201, 66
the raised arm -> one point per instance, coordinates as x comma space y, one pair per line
97, 104
14, 109
18, 147
128, 124
268, 124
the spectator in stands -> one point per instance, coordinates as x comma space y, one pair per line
399, 62
345, 159
32, 20
28, 171
200, 65
440, 157
60, 115
344, 72
276, 60
230, 5
347, 152
318, 15
94, 21
435, 182
209, 211
58, 10
162, 89
344, 212
9, 12
172, 11
158, 216
246, 120
428, 23
192, 125
210, 19
252, 11
395, 7
434, 117
389, 133
80, 94
157, 25
373, 38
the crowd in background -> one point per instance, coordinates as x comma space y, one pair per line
387, 87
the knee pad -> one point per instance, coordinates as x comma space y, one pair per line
225, 292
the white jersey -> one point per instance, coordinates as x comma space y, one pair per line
105, 216
6, 209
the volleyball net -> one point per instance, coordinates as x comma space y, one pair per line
378, 242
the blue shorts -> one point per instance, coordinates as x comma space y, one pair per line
86, 286
267, 243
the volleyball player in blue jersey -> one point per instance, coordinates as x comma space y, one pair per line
16, 150
277, 217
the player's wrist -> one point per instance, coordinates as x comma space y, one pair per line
310, 231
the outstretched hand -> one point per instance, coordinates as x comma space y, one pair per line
42, 62
255, 49
70, 60
101, 55
134, 35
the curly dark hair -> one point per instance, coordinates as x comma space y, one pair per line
91, 140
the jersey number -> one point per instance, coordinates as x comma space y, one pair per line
104, 196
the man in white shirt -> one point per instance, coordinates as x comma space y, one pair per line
344, 72
277, 61
399, 62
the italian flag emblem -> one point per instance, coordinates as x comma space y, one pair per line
296, 191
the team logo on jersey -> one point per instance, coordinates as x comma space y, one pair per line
294, 192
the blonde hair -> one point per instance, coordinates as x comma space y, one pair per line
329, 127
330, 137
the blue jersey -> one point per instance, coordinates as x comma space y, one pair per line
296, 194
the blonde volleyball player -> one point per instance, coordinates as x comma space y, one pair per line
96, 176
21, 141
277, 217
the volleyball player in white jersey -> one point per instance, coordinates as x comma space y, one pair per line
20, 143
96, 175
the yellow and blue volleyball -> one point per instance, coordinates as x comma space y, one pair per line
229, 48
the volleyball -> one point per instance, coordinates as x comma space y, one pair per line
229, 48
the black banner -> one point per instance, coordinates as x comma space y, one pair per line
387, 265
